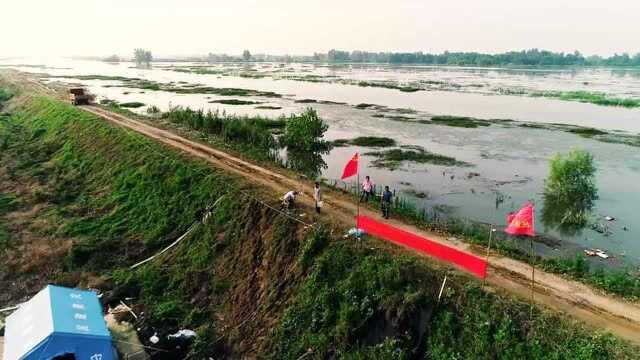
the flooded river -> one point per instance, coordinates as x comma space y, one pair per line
509, 162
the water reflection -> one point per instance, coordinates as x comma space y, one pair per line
567, 216
309, 164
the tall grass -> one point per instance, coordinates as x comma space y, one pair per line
359, 303
117, 192
254, 134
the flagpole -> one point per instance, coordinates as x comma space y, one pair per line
484, 281
533, 263
358, 195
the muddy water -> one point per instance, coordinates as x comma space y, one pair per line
512, 162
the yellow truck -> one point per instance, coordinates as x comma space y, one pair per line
80, 96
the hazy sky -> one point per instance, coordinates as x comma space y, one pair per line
172, 27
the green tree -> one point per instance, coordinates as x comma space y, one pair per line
570, 191
142, 57
112, 59
305, 132
303, 138
246, 55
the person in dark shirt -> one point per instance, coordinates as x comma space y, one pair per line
386, 202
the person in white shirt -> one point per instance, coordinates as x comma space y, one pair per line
367, 189
289, 199
317, 196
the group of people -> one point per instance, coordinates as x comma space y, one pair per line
368, 191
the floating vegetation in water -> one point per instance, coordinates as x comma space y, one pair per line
364, 106
400, 118
392, 159
268, 107
306, 101
533, 126
234, 102
219, 91
597, 98
341, 143
459, 121
95, 77
386, 84
366, 141
132, 104
418, 194
587, 132
184, 88
327, 102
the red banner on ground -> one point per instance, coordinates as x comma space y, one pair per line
468, 262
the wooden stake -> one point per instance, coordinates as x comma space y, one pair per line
533, 274
442, 288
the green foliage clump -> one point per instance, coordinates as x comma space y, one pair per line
362, 303
587, 132
348, 295
152, 110
368, 141
142, 57
305, 132
132, 104
391, 159
315, 243
5, 95
459, 121
253, 134
590, 97
570, 190
234, 102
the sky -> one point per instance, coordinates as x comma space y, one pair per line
299, 27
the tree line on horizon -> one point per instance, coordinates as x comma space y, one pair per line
531, 57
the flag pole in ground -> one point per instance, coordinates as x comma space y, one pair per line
522, 223
533, 262
358, 197
353, 168
484, 281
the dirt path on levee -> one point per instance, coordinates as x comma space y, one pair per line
611, 313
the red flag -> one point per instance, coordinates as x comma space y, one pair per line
351, 168
521, 222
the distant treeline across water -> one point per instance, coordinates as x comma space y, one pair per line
533, 57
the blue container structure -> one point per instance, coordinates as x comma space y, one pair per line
58, 322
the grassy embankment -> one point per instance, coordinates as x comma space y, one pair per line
250, 282
624, 282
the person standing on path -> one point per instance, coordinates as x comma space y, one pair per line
317, 196
367, 189
386, 202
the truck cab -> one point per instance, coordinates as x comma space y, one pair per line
80, 96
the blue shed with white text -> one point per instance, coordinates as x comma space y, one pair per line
61, 323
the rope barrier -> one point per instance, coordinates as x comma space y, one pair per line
193, 226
